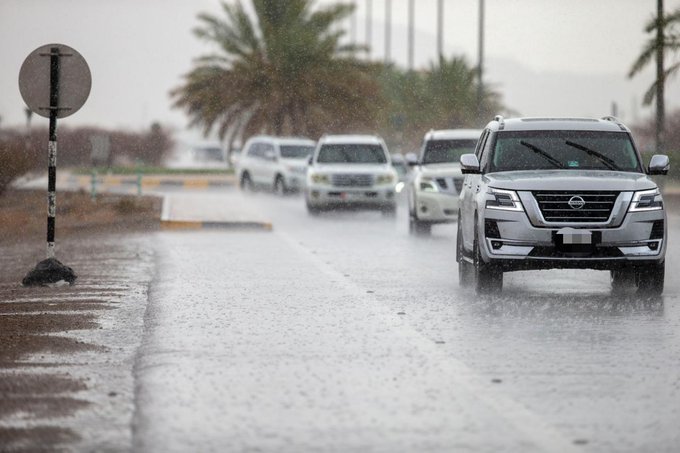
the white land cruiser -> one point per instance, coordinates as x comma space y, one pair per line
351, 171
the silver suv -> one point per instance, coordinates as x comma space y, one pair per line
545, 193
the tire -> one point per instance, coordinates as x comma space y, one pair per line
246, 182
488, 278
280, 186
465, 270
622, 279
389, 210
312, 210
418, 228
650, 279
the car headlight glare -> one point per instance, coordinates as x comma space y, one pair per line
646, 200
385, 179
505, 200
320, 178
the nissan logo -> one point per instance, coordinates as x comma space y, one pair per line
576, 202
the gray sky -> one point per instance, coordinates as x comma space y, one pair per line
547, 57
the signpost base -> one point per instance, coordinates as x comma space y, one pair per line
49, 271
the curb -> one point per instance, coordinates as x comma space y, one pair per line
200, 225
178, 225
151, 182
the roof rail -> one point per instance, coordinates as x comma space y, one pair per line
501, 121
616, 121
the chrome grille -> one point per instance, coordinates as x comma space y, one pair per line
555, 206
352, 180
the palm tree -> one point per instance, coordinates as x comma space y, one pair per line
284, 73
667, 37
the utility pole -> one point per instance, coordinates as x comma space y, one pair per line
480, 63
660, 79
353, 24
369, 23
388, 31
410, 34
440, 29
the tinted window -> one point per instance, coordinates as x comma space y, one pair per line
447, 151
570, 150
296, 151
352, 154
253, 149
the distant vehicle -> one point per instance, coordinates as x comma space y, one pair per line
351, 171
208, 153
275, 163
437, 180
544, 193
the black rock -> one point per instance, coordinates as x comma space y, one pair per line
49, 271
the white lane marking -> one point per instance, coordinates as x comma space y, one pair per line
542, 434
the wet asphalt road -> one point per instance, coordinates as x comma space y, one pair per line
343, 333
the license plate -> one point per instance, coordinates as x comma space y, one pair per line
571, 236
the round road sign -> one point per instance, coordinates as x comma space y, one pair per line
74, 85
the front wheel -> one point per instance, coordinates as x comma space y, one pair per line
650, 279
488, 278
280, 186
418, 227
466, 271
247, 183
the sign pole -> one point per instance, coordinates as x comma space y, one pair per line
54, 82
52, 151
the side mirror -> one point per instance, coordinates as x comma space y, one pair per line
270, 155
659, 165
469, 164
310, 160
411, 159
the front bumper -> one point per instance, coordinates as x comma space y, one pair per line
513, 243
436, 207
375, 196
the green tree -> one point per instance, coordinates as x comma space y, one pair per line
283, 72
442, 97
666, 38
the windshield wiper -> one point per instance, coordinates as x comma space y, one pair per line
609, 163
542, 153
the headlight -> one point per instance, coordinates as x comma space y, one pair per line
646, 200
506, 200
385, 179
320, 178
427, 185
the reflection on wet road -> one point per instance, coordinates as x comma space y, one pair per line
343, 333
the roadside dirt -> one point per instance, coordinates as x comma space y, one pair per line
66, 353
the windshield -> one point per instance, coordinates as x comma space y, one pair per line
569, 150
296, 151
447, 151
352, 154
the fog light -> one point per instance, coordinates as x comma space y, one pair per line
653, 245
423, 209
496, 244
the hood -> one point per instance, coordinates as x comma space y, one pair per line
441, 170
569, 180
294, 162
353, 168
